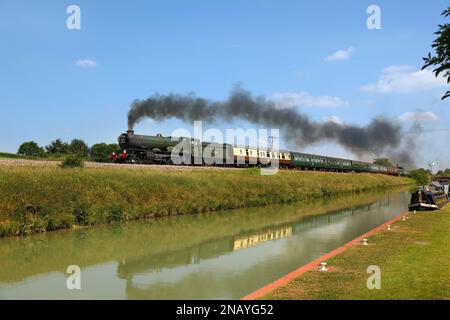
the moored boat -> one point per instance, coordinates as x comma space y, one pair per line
428, 198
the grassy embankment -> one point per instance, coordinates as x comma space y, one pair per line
42, 199
413, 258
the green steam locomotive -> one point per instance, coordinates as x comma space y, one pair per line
142, 149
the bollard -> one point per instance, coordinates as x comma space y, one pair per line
414, 211
323, 267
404, 218
365, 242
389, 227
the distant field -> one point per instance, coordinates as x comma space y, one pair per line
5, 155
13, 156
37, 198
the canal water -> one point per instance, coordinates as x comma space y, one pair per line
222, 255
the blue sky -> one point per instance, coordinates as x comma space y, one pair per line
61, 83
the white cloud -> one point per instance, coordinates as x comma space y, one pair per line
86, 63
418, 116
403, 79
305, 99
334, 119
398, 69
340, 55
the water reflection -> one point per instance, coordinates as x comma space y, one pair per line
221, 255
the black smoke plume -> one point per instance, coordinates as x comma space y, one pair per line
378, 136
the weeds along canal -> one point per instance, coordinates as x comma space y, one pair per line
222, 255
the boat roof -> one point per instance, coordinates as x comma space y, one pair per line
437, 185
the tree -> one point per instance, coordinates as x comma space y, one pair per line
79, 147
441, 59
100, 152
421, 176
30, 148
57, 146
443, 173
383, 162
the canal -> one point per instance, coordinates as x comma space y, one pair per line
223, 255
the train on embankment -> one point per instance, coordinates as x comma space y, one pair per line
143, 149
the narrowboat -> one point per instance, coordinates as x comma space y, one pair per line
428, 198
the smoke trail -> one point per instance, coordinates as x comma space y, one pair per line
379, 135
406, 155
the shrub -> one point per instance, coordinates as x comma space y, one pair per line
81, 215
115, 215
420, 176
72, 161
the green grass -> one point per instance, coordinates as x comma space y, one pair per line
8, 156
414, 258
14, 156
42, 199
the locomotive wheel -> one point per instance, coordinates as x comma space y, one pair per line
133, 159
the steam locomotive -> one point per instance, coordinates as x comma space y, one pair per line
142, 149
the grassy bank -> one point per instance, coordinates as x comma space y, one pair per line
413, 258
48, 198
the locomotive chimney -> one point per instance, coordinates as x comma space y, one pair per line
130, 131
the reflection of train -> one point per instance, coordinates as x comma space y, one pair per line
177, 273
256, 239
192, 255
158, 149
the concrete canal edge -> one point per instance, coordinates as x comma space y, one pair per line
313, 264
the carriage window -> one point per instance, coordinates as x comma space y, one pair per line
240, 151
246, 152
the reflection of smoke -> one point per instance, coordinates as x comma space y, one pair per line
379, 135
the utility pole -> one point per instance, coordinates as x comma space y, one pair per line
430, 166
271, 138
